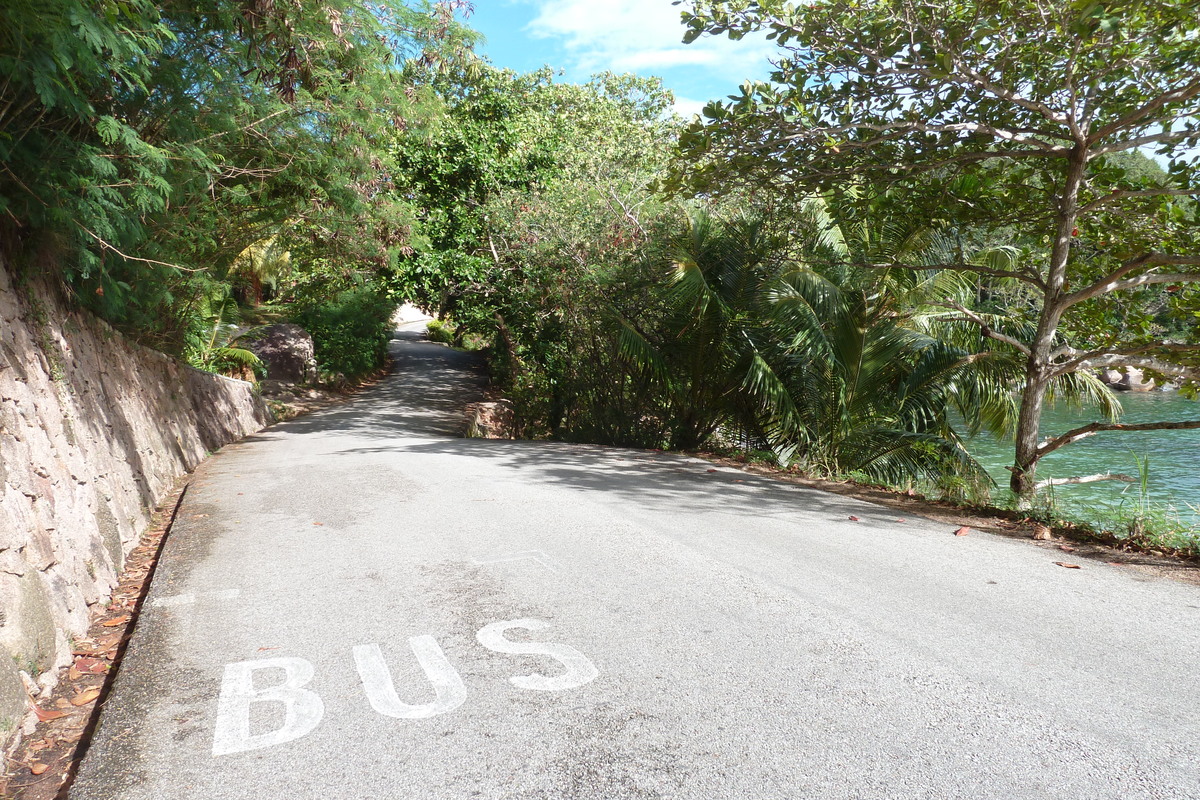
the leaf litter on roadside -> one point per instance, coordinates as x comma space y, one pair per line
46, 714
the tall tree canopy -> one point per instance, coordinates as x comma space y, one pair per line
145, 145
994, 117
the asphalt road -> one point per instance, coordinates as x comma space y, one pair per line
358, 604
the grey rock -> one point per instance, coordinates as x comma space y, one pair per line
12, 698
1135, 381
287, 350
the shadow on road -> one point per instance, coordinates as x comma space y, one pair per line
418, 409
425, 394
645, 478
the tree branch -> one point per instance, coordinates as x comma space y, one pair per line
1091, 429
1142, 141
1107, 476
1112, 282
897, 128
963, 74
104, 244
1182, 94
1127, 357
1117, 194
984, 328
1026, 277
1143, 363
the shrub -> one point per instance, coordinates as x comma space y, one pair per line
440, 331
351, 332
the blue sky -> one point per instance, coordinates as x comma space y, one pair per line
582, 37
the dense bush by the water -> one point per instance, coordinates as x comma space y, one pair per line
350, 332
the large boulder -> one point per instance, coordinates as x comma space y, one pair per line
287, 351
1126, 379
1135, 380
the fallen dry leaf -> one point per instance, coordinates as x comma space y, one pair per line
74, 674
1041, 532
1068, 566
712, 470
41, 744
1066, 548
37, 767
902, 519
93, 666
318, 523
46, 714
963, 531
115, 621
853, 518
85, 697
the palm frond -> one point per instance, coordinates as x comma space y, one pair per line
635, 349
1083, 389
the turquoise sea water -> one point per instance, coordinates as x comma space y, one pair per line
1174, 458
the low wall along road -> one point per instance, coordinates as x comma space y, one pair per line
94, 432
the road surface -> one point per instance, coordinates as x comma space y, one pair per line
358, 604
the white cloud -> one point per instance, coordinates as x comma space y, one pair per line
686, 106
668, 58
643, 36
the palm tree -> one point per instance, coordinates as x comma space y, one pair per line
889, 367
214, 345
708, 351
263, 262
870, 393
829, 361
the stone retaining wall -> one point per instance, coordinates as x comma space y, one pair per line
94, 432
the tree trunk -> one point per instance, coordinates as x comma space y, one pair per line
1023, 481
1038, 366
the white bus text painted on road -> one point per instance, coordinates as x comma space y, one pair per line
381, 691
580, 670
303, 708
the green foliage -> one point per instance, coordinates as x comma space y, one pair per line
541, 232
439, 331
1019, 118
833, 369
215, 348
148, 146
350, 332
